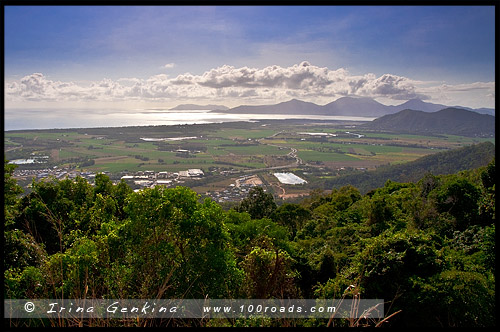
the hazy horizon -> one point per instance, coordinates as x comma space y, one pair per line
23, 119
129, 58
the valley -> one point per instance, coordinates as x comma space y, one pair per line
223, 155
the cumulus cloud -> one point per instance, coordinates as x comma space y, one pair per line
300, 76
272, 84
388, 86
37, 87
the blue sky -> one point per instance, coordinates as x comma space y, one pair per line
162, 56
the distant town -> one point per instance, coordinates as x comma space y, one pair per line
149, 179
137, 180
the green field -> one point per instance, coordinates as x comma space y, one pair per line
232, 147
315, 156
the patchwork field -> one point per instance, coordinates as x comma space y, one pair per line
226, 151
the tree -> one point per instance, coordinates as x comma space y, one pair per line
120, 193
258, 203
103, 185
454, 298
176, 245
11, 191
388, 267
39, 217
459, 197
268, 273
488, 176
292, 216
487, 201
246, 232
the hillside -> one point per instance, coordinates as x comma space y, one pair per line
419, 105
452, 121
447, 162
357, 106
293, 106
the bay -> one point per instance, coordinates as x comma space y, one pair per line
23, 119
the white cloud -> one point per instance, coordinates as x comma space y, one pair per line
37, 87
476, 94
270, 84
169, 65
485, 86
388, 86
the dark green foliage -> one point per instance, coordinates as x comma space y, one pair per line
488, 176
420, 238
10, 191
178, 246
246, 233
120, 193
426, 247
88, 162
268, 274
37, 218
103, 185
487, 201
461, 299
21, 250
459, 198
258, 203
292, 216
56, 208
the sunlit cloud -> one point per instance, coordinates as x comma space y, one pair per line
269, 84
169, 66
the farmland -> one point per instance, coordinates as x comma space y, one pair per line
225, 152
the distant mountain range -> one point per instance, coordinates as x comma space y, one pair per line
454, 121
345, 106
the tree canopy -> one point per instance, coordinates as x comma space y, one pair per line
427, 247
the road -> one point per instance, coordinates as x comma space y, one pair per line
292, 154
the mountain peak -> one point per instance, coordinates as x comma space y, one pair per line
294, 101
420, 105
414, 101
356, 106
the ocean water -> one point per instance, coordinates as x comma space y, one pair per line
18, 119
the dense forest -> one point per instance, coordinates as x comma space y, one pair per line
426, 247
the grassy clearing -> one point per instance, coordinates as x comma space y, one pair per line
254, 150
313, 156
361, 151
8, 143
66, 153
245, 134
